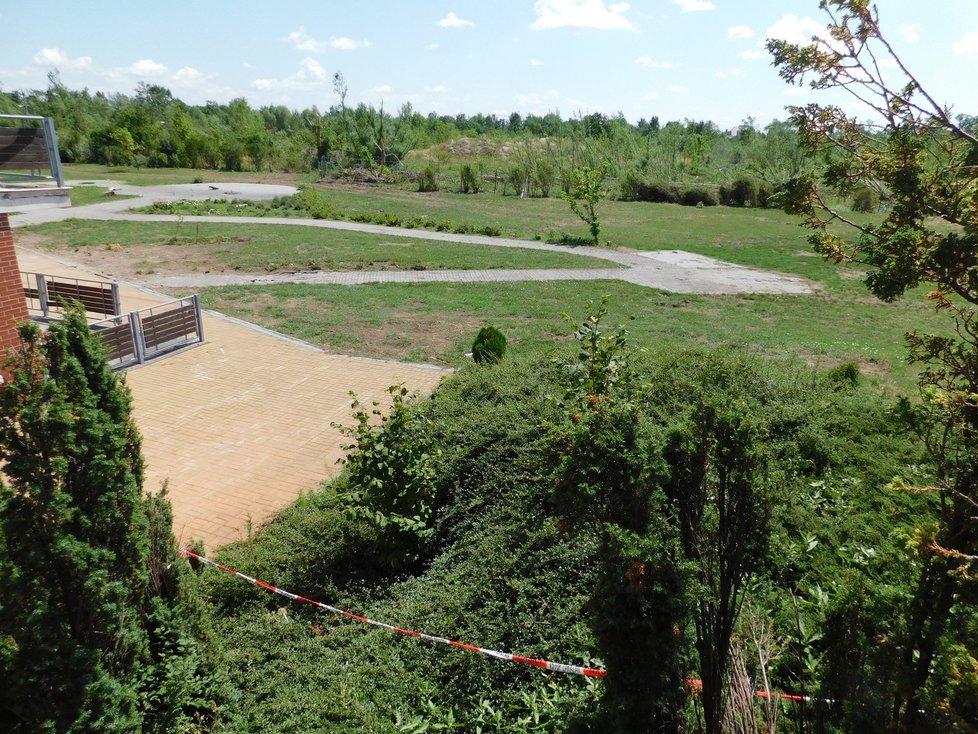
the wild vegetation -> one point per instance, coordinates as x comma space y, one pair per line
672, 501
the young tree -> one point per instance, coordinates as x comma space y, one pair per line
587, 191
920, 159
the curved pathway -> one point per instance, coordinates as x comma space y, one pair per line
671, 270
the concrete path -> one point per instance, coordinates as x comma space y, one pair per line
241, 425
671, 270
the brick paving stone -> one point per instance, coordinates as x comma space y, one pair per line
240, 426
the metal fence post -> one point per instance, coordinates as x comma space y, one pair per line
54, 157
116, 300
200, 318
42, 293
137, 337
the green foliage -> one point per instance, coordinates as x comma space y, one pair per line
92, 637
587, 192
864, 199
923, 161
470, 180
428, 179
489, 345
846, 373
391, 468
746, 192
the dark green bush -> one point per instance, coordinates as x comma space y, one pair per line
428, 180
845, 373
697, 197
864, 199
633, 187
471, 182
489, 345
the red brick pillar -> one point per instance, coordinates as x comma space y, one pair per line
13, 304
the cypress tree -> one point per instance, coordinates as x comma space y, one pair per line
74, 561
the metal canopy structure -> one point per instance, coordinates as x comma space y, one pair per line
30, 165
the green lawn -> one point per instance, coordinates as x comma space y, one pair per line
436, 322
83, 195
159, 176
265, 248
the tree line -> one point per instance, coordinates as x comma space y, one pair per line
152, 128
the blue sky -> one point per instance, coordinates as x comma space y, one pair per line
677, 59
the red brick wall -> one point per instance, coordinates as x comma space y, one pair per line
13, 305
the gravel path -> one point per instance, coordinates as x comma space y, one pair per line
671, 270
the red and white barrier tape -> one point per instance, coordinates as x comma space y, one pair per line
543, 664
536, 663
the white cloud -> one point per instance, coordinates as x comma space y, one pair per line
694, 6
147, 67
719, 75
650, 96
347, 44
383, 89
57, 57
536, 62
453, 21
437, 89
433, 46
581, 14
752, 53
304, 42
677, 90
796, 30
967, 45
740, 31
795, 91
647, 61
910, 32
312, 67
529, 99
188, 77
266, 83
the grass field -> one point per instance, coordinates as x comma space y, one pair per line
153, 176
199, 246
83, 195
436, 322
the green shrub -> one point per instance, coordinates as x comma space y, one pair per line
315, 202
489, 345
471, 181
864, 199
697, 197
428, 180
845, 373
391, 469
517, 178
742, 192
544, 177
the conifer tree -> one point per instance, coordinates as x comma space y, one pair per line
74, 560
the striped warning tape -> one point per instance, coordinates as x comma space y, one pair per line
543, 664
536, 663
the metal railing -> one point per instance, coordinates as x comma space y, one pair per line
46, 293
140, 336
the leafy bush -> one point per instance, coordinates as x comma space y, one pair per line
428, 180
471, 182
517, 178
315, 202
390, 467
632, 187
544, 177
697, 197
489, 345
864, 199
